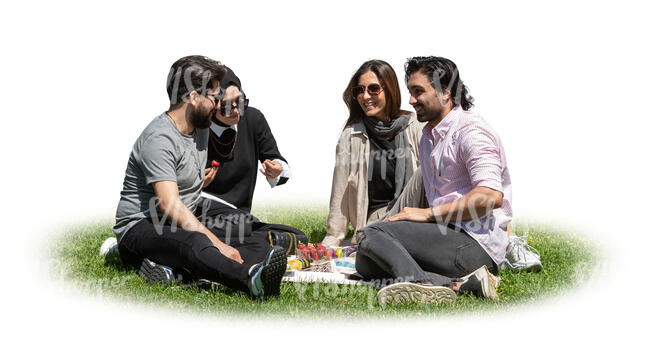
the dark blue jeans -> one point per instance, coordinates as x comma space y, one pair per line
413, 251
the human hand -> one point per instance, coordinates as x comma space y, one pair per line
230, 252
271, 169
412, 214
210, 173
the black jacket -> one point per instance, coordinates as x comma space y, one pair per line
237, 175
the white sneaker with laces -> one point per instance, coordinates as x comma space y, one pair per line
520, 256
109, 250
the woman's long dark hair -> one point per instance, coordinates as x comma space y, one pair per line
389, 83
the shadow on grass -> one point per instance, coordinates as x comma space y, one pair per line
569, 261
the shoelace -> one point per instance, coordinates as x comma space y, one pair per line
523, 246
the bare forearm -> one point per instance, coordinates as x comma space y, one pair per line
474, 204
478, 202
176, 210
171, 205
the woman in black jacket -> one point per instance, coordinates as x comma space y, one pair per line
239, 138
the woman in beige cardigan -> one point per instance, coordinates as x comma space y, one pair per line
377, 152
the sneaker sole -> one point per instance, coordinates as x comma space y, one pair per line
405, 292
483, 274
153, 273
273, 271
522, 268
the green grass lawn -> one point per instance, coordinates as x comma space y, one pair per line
568, 261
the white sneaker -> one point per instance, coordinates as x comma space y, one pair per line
520, 256
109, 250
405, 292
481, 283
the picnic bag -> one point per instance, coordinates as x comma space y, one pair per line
286, 237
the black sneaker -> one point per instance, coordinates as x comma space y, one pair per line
265, 277
158, 274
480, 283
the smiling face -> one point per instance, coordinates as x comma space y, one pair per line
231, 97
429, 104
372, 105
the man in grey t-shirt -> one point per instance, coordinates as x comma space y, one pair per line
156, 222
161, 153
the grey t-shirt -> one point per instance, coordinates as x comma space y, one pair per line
161, 153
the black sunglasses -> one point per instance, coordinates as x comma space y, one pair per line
373, 89
229, 106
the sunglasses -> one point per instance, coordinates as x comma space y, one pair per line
229, 106
373, 89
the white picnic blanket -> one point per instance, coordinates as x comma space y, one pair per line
313, 276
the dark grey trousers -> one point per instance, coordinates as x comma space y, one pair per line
413, 251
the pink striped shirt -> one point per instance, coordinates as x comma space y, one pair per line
465, 153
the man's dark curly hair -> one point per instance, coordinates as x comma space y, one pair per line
442, 73
192, 73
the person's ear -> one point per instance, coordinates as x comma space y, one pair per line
446, 95
194, 98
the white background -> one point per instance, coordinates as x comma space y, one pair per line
564, 84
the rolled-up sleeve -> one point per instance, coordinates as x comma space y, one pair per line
480, 149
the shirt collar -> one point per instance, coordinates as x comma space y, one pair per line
446, 124
218, 130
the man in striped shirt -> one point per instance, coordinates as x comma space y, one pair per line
456, 243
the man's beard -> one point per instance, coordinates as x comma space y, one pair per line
201, 118
423, 115
428, 116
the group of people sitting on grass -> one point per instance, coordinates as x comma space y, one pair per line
428, 193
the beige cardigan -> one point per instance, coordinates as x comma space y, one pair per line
349, 196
